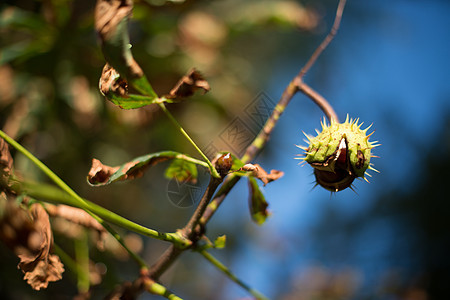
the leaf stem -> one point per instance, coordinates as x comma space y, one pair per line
70, 263
158, 289
230, 275
213, 170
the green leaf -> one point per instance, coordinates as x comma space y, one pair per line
220, 241
182, 170
101, 174
131, 101
257, 202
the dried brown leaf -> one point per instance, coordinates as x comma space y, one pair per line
110, 81
30, 236
42, 267
102, 174
108, 14
188, 84
99, 172
261, 174
110, 22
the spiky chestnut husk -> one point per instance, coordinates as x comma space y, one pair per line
339, 154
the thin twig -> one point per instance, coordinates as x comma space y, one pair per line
326, 41
191, 141
230, 275
319, 100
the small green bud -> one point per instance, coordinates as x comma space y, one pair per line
339, 154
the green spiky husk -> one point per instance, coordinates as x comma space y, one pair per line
339, 153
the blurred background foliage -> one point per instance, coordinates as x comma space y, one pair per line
388, 242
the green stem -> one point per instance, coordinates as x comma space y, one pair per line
191, 159
70, 263
82, 259
158, 289
213, 170
230, 275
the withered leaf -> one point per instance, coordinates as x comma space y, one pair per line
188, 84
101, 174
42, 267
29, 235
261, 174
111, 19
115, 88
111, 82
108, 14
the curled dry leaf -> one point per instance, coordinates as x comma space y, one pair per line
111, 17
101, 174
111, 82
108, 15
261, 174
77, 216
188, 84
29, 235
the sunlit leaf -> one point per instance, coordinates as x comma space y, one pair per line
257, 202
182, 171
